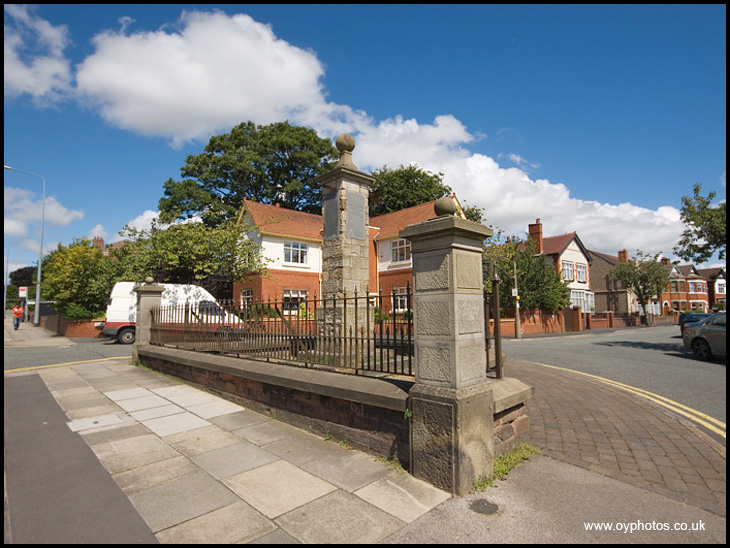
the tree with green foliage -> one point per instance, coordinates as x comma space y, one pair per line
705, 227
189, 253
79, 278
539, 284
25, 276
396, 189
273, 164
645, 275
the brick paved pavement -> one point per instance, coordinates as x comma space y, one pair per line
613, 432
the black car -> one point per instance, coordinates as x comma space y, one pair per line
690, 317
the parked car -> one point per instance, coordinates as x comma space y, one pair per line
706, 338
690, 317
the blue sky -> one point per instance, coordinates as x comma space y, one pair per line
595, 119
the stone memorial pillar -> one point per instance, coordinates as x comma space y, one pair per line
148, 296
345, 245
451, 401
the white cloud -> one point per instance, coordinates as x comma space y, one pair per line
97, 232
23, 208
215, 71
140, 222
34, 61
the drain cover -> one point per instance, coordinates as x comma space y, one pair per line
482, 506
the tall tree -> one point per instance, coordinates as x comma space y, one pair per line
274, 164
25, 276
705, 227
79, 278
645, 275
189, 253
539, 284
396, 189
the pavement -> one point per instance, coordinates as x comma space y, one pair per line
105, 452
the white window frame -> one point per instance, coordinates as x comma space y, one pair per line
246, 298
296, 253
292, 300
581, 272
400, 250
400, 296
567, 269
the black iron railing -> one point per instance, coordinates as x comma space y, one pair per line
358, 333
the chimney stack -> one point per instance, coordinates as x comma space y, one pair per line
535, 232
623, 256
98, 242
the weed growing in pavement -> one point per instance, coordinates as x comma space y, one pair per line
504, 464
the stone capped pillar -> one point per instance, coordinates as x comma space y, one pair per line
451, 402
345, 246
148, 296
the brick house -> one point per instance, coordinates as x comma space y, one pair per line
610, 295
686, 290
716, 286
291, 242
571, 260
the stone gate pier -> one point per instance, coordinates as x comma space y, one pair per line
452, 431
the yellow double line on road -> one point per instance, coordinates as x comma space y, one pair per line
711, 423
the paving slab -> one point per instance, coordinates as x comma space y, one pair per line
237, 523
403, 496
233, 459
156, 473
339, 518
202, 440
172, 424
277, 488
180, 500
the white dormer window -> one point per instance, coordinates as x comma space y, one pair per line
400, 250
295, 252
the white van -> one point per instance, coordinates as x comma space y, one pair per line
121, 310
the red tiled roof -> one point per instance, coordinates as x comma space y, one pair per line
279, 221
555, 245
390, 224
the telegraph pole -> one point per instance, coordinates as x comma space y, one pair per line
516, 294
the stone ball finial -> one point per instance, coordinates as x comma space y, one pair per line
149, 280
444, 206
345, 143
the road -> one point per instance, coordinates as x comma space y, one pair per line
652, 359
80, 350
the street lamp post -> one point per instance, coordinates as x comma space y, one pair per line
37, 313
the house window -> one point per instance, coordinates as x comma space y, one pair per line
582, 272
293, 299
400, 299
246, 298
568, 270
295, 252
696, 287
721, 289
400, 250
585, 299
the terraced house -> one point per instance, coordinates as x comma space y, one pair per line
687, 289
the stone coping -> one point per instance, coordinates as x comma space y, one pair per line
366, 390
507, 392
